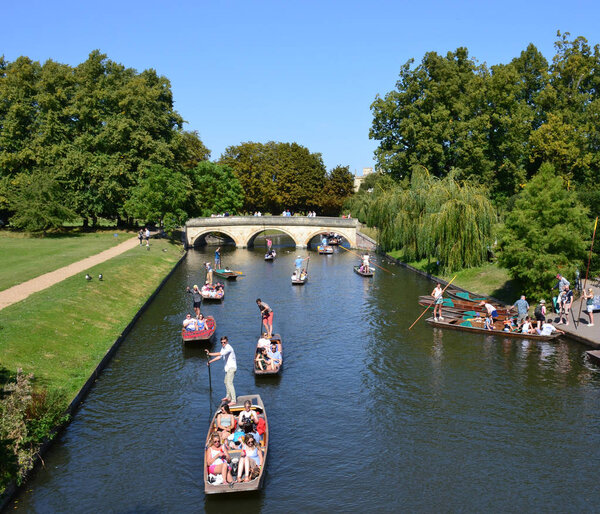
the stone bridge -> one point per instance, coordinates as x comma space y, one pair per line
244, 229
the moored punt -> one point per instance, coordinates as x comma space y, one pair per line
462, 304
227, 273
594, 356
212, 293
257, 371
466, 296
453, 312
477, 326
190, 336
325, 249
238, 487
363, 273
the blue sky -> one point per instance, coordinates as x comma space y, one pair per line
303, 71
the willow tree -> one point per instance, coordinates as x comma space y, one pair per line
434, 217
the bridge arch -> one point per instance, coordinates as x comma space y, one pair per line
315, 234
250, 241
200, 235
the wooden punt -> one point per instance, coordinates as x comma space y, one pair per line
462, 304
270, 256
253, 485
227, 273
213, 294
594, 356
466, 296
477, 326
325, 249
299, 280
191, 336
363, 273
450, 312
257, 371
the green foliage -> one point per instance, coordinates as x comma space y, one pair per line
159, 191
28, 417
439, 218
495, 126
277, 176
38, 202
338, 187
216, 190
545, 233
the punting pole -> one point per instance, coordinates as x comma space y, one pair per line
427, 308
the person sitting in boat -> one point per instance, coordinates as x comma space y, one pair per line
295, 275
264, 342
274, 357
201, 322
527, 327
251, 460
219, 286
303, 274
217, 458
548, 329
225, 422
491, 310
248, 418
506, 326
488, 323
189, 323
261, 359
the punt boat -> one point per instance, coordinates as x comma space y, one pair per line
257, 371
363, 273
239, 487
325, 249
227, 273
190, 336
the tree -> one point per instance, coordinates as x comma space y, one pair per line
545, 233
160, 191
338, 187
276, 176
217, 190
38, 202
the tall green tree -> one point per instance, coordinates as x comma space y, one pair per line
216, 190
339, 187
545, 233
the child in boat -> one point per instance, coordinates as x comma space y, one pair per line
488, 323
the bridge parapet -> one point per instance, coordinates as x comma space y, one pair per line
243, 229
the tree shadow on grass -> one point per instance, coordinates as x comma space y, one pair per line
509, 292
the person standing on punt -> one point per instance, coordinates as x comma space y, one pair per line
491, 310
522, 307
209, 273
438, 300
267, 316
197, 298
228, 354
218, 258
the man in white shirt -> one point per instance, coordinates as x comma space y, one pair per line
548, 329
228, 354
264, 342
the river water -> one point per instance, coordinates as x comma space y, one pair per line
366, 416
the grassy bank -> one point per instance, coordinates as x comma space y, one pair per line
488, 280
24, 258
60, 334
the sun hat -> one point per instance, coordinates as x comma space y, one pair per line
195, 286
542, 301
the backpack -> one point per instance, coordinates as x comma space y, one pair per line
538, 310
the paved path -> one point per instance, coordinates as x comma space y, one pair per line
21, 291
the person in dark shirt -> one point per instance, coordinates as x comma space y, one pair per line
197, 297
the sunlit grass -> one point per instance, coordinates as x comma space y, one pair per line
24, 257
61, 334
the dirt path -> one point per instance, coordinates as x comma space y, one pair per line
21, 291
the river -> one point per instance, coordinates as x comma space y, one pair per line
366, 417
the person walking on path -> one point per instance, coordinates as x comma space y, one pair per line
589, 303
522, 308
141, 236
267, 316
438, 301
218, 258
565, 302
147, 237
197, 298
228, 354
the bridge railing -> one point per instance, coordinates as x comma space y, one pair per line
291, 221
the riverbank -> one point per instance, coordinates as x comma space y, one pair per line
60, 334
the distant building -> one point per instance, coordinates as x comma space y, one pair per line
358, 180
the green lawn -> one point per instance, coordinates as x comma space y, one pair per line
24, 257
488, 280
76, 321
